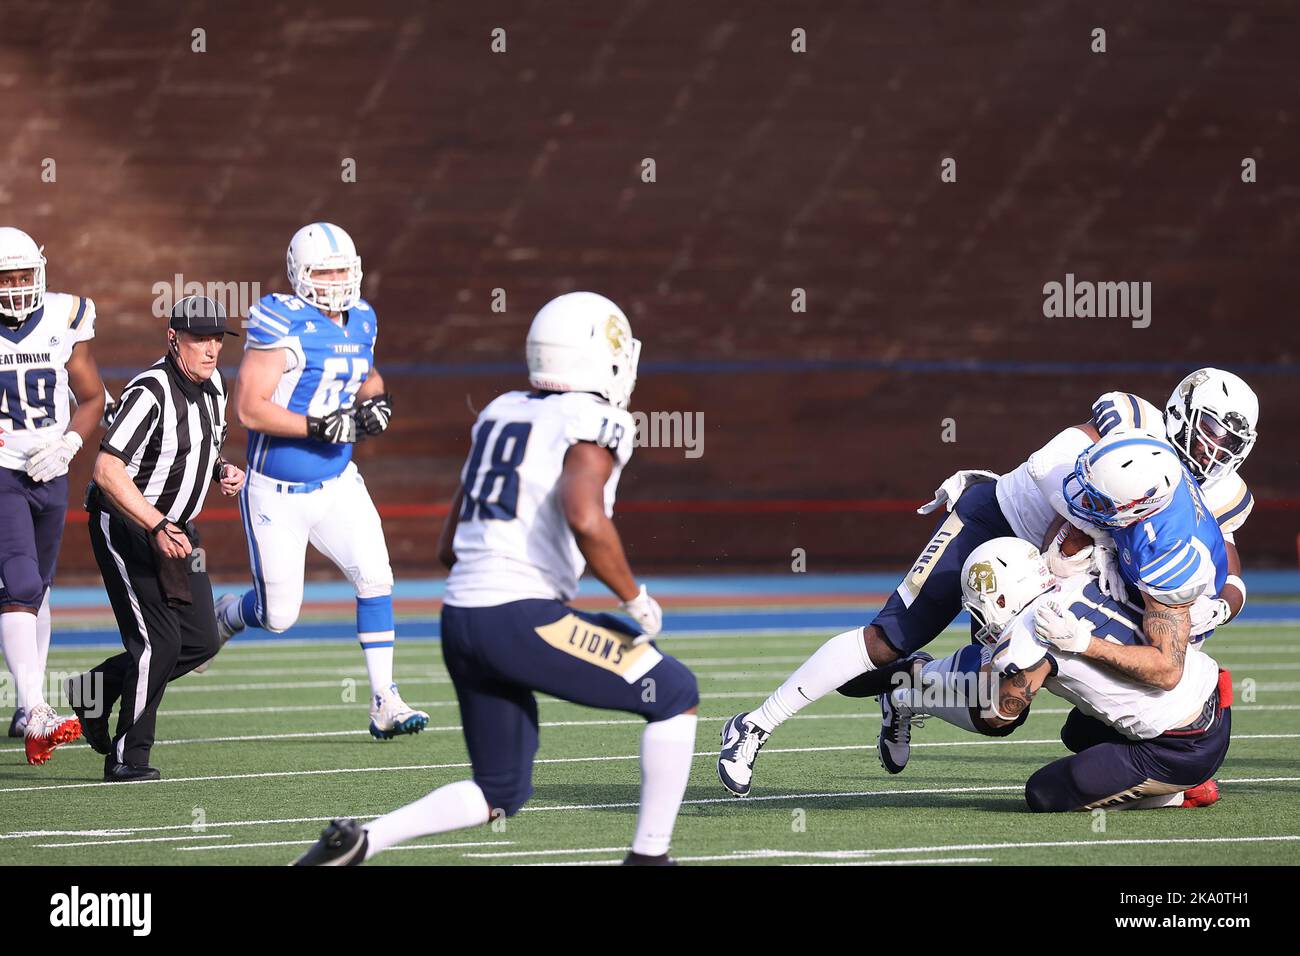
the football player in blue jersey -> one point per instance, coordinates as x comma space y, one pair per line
307, 391
1169, 547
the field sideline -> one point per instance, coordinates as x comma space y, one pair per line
261, 750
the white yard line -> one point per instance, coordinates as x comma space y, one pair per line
171, 839
991, 742
421, 846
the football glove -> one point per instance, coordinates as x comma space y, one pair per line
1109, 577
1065, 566
51, 460
373, 414
952, 489
337, 428
1208, 613
646, 611
1060, 627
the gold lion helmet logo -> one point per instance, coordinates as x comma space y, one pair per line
982, 579
617, 332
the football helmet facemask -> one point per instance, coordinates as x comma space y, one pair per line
1211, 419
318, 247
22, 276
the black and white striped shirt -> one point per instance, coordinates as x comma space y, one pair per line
169, 431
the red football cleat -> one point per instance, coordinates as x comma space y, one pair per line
1202, 796
47, 730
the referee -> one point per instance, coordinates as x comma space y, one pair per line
151, 477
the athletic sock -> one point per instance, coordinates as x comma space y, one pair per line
243, 612
453, 807
18, 638
836, 662
667, 747
376, 635
949, 688
43, 633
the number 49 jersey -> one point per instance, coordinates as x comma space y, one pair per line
34, 397
324, 366
512, 540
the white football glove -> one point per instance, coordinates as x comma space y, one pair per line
1208, 613
51, 460
1066, 566
948, 492
1109, 577
1060, 627
646, 611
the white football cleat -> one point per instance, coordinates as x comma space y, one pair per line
47, 730
225, 631
390, 716
741, 742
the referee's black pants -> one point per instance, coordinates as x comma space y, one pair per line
162, 641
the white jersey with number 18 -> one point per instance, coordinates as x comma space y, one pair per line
512, 540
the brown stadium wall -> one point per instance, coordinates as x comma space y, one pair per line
775, 171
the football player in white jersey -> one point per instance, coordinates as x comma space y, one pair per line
45, 361
1153, 722
307, 391
533, 510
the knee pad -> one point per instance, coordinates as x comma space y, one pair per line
277, 621
21, 579
1039, 796
676, 690
378, 583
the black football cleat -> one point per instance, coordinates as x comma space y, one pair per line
342, 843
640, 859
18, 726
129, 773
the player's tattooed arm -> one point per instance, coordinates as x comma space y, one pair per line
1016, 692
446, 552
1159, 663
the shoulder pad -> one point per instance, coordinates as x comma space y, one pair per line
1230, 501
588, 419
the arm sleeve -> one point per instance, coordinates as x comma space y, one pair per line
1053, 463
134, 423
82, 321
610, 427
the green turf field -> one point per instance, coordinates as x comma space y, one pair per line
262, 749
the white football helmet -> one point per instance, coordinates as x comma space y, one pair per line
1123, 478
1211, 418
999, 578
582, 342
323, 245
19, 252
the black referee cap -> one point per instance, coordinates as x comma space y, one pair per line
199, 315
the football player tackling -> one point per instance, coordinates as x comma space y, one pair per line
307, 390
533, 509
